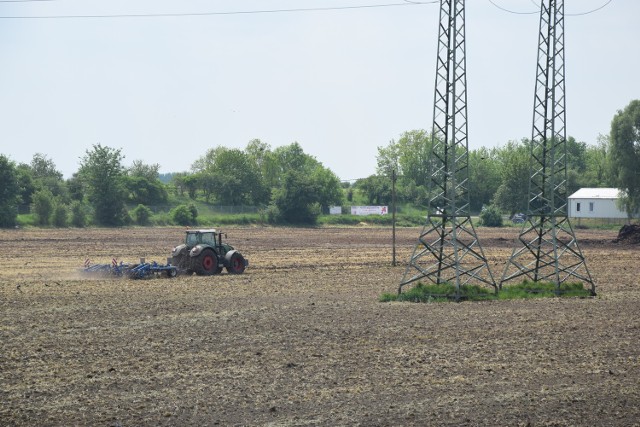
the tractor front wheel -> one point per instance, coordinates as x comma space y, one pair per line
206, 263
235, 263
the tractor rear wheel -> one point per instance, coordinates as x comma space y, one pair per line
181, 260
235, 263
206, 263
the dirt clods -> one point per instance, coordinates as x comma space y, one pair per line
629, 233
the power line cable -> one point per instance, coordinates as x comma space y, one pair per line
511, 11
537, 11
590, 11
246, 12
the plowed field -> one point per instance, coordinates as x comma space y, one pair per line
301, 339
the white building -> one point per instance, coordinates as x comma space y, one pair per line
595, 203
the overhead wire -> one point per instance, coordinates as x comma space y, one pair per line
590, 11
537, 11
504, 9
238, 12
264, 11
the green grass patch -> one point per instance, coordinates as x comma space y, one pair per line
27, 220
525, 290
529, 289
440, 293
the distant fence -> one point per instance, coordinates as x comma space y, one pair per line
234, 209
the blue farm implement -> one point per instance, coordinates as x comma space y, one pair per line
147, 270
143, 270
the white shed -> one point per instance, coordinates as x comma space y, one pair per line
595, 203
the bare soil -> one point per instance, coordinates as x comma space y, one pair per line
301, 339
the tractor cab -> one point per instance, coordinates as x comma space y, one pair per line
205, 237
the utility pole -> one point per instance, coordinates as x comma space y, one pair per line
448, 250
393, 215
549, 250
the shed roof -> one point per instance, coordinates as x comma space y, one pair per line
596, 193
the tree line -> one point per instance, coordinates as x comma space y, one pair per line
499, 177
291, 186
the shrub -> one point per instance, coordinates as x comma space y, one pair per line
8, 215
182, 215
61, 215
194, 212
270, 214
78, 215
162, 218
43, 206
142, 215
491, 217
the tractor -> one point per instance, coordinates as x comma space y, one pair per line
204, 253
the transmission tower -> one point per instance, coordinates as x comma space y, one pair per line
549, 250
448, 250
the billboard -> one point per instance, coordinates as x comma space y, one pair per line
369, 210
335, 210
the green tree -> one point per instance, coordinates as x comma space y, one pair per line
25, 183
376, 189
329, 189
484, 177
182, 215
410, 156
293, 158
184, 181
43, 205
513, 193
46, 176
76, 187
576, 161
232, 176
598, 169
144, 186
142, 215
60, 215
411, 193
143, 191
297, 200
102, 171
625, 154
78, 214
265, 162
9, 192
139, 168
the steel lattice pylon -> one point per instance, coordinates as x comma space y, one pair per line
550, 250
448, 250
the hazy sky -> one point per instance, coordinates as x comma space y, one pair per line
341, 83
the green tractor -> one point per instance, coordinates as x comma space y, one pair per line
204, 253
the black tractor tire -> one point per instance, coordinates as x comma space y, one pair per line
172, 272
206, 263
235, 262
182, 263
181, 260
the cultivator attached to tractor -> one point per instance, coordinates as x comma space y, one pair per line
142, 270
